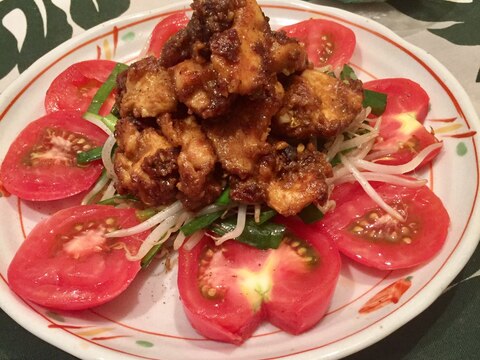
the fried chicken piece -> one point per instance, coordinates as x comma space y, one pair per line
209, 17
234, 37
317, 104
288, 56
240, 137
287, 180
196, 86
145, 164
241, 54
146, 90
196, 161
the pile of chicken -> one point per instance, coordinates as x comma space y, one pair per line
229, 101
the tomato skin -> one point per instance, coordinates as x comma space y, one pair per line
232, 321
165, 29
317, 290
403, 96
425, 210
43, 272
318, 34
50, 181
74, 88
296, 296
402, 135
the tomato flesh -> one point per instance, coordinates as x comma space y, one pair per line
164, 30
403, 96
67, 263
41, 163
365, 233
75, 87
327, 42
228, 291
402, 135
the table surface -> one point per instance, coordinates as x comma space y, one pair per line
449, 328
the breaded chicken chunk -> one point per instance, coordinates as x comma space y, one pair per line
146, 90
192, 42
240, 55
288, 56
197, 86
317, 104
240, 137
287, 180
145, 163
198, 184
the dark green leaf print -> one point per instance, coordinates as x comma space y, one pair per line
86, 14
9, 53
465, 16
38, 40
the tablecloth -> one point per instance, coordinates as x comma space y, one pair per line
448, 29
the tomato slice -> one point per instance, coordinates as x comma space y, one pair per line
67, 263
75, 87
164, 30
403, 96
41, 163
402, 135
368, 235
228, 291
327, 42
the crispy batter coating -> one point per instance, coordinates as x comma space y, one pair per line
145, 163
209, 17
288, 56
146, 90
240, 137
287, 180
317, 104
196, 161
202, 115
241, 54
196, 86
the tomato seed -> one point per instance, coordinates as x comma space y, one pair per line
407, 240
301, 251
357, 229
209, 253
373, 216
295, 244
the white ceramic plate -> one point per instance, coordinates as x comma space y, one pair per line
147, 321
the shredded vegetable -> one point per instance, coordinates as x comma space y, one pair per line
387, 178
370, 190
86, 157
158, 236
398, 169
156, 219
104, 91
97, 120
107, 156
101, 182
241, 219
